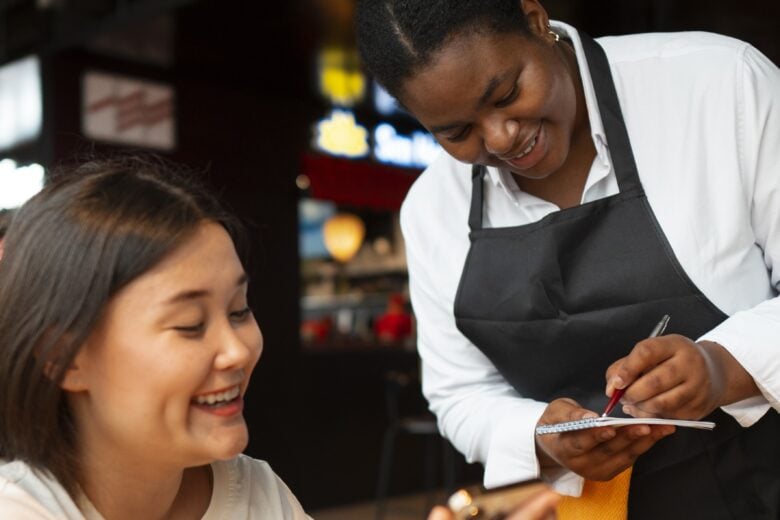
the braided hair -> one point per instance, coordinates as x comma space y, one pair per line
396, 38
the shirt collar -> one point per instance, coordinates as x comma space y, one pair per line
498, 176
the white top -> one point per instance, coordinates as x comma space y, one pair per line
703, 116
244, 488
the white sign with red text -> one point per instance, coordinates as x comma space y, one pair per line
128, 111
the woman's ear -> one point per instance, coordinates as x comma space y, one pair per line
74, 378
74, 375
536, 17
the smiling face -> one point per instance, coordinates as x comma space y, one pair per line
161, 379
508, 100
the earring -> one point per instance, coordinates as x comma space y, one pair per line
554, 34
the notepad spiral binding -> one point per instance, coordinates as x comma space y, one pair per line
567, 426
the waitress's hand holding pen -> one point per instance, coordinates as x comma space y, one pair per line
676, 378
617, 393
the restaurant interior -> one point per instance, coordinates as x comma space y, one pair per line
269, 101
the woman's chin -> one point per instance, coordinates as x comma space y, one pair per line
224, 445
234, 448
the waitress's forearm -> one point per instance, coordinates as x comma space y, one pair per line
738, 384
546, 463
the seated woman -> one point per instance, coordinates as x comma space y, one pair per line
126, 347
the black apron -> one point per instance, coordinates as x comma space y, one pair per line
553, 303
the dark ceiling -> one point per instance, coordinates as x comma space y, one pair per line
42, 25
267, 46
239, 41
245, 39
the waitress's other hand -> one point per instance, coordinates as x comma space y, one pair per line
676, 378
594, 453
540, 506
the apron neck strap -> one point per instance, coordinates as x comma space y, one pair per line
475, 212
611, 115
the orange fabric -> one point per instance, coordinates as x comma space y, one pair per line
599, 500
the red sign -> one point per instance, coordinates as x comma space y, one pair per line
358, 183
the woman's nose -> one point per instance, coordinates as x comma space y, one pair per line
237, 348
500, 135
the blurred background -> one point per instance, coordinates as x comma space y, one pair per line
270, 101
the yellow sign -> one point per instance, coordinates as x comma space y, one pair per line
341, 80
341, 135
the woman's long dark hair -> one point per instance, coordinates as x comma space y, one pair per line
90, 232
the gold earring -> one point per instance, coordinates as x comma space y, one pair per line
554, 34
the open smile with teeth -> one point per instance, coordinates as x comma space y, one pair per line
527, 150
218, 398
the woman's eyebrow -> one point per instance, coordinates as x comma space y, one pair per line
193, 294
492, 86
490, 89
444, 128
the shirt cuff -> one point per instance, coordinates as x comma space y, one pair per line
512, 454
748, 411
568, 483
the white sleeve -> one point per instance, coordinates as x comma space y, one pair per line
17, 504
477, 410
258, 493
752, 336
291, 508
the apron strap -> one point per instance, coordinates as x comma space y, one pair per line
475, 213
611, 115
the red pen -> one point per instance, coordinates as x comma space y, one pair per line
618, 392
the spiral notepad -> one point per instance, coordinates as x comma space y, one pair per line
598, 422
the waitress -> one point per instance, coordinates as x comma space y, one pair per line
588, 189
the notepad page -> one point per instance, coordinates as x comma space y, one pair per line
598, 422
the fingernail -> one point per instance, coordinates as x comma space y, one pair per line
644, 430
628, 410
606, 435
589, 415
617, 382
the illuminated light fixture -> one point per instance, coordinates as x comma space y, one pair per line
21, 102
343, 234
339, 134
19, 184
341, 81
415, 151
303, 182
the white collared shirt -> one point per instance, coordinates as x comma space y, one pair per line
703, 115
